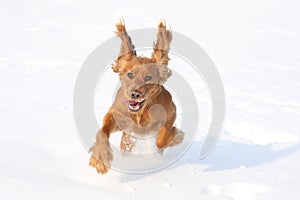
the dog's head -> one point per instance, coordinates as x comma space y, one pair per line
142, 77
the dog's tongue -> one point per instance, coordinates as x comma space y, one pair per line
126, 101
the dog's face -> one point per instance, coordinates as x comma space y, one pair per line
141, 77
142, 81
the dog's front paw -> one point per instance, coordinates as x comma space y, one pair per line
177, 139
100, 166
101, 156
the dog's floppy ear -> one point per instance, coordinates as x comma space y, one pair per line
161, 49
127, 51
164, 73
162, 45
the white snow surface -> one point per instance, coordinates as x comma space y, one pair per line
255, 46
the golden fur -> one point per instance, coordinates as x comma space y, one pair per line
134, 107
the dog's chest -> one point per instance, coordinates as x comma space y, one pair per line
139, 135
126, 124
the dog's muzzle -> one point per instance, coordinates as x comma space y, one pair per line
133, 105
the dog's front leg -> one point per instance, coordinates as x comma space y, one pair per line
101, 157
165, 136
169, 136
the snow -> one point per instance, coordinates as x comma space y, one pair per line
255, 46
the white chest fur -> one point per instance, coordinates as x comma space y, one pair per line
137, 144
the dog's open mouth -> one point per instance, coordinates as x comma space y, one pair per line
133, 105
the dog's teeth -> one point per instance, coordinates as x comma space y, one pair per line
134, 107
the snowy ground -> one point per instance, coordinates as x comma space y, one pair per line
255, 46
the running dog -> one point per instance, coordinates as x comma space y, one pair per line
142, 105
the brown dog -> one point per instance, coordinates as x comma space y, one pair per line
142, 105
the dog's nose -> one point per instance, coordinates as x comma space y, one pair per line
135, 94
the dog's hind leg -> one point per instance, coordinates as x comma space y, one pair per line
127, 142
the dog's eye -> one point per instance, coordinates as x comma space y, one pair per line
148, 78
130, 75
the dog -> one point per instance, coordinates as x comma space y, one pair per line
142, 105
